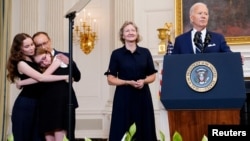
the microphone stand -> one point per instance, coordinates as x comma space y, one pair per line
202, 48
71, 17
206, 42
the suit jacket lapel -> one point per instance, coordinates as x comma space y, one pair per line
190, 41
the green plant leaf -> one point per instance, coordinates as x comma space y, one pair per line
128, 137
204, 138
132, 129
177, 136
10, 137
129, 134
87, 139
162, 136
65, 138
124, 136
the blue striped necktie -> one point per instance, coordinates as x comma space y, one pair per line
198, 42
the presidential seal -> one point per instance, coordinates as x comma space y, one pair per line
201, 76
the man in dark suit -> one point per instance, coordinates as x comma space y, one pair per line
199, 39
42, 39
188, 43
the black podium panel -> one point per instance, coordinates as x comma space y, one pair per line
245, 110
228, 92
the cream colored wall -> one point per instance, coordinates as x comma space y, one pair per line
93, 92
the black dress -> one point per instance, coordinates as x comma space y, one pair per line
24, 115
131, 105
77, 76
54, 103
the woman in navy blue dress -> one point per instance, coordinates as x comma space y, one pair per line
131, 70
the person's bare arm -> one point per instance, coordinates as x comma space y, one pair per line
48, 71
112, 80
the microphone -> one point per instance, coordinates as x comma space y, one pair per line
197, 41
207, 40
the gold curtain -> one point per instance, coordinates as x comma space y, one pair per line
5, 41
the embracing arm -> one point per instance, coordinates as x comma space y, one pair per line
63, 58
49, 70
76, 74
38, 77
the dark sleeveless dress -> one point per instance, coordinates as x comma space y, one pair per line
24, 115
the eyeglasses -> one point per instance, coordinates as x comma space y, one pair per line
42, 44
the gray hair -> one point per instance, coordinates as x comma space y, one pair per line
195, 5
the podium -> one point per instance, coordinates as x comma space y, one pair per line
202, 89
